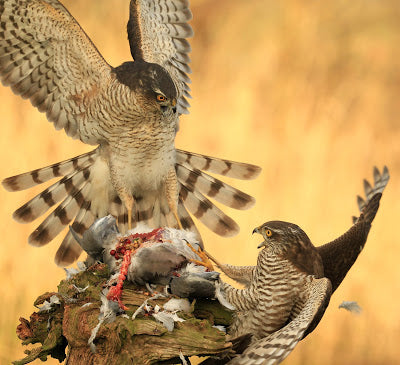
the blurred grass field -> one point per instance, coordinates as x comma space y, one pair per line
309, 91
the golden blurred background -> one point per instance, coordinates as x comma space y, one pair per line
309, 90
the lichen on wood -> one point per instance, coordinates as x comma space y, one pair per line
67, 327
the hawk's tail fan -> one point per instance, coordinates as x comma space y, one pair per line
39, 176
72, 192
195, 185
211, 216
237, 170
83, 194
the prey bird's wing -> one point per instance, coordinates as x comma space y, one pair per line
157, 32
339, 255
45, 56
275, 347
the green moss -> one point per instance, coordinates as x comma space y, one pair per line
141, 341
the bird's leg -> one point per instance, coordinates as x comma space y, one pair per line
241, 274
171, 191
128, 202
204, 258
124, 193
211, 258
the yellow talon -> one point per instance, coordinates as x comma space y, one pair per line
204, 258
208, 265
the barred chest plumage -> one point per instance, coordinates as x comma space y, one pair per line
142, 160
136, 160
276, 285
139, 143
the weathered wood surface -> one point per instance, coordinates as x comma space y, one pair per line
124, 341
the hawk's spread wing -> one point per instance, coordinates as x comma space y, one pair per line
157, 32
277, 346
47, 57
339, 255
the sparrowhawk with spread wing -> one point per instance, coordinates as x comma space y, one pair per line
289, 289
131, 112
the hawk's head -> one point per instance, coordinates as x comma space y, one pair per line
280, 235
151, 83
289, 241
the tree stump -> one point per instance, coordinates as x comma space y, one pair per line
143, 340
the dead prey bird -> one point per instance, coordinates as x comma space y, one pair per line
164, 256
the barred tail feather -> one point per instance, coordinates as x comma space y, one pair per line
186, 219
84, 218
145, 211
237, 170
194, 184
60, 217
68, 252
69, 249
39, 176
213, 188
84, 193
42, 202
211, 216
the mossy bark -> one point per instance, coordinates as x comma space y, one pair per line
124, 341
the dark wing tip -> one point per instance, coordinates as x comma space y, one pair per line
11, 184
24, 214
39, 237
252, 171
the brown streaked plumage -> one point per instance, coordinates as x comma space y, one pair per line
131, 112
289, 289
339, 255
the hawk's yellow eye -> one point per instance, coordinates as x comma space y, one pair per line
268, 233
161, 97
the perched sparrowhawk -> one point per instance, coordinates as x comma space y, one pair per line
131, 112
288, 291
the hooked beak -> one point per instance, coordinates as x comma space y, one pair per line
173, 104
263, 243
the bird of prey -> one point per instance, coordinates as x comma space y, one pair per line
130, 112
287, 292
